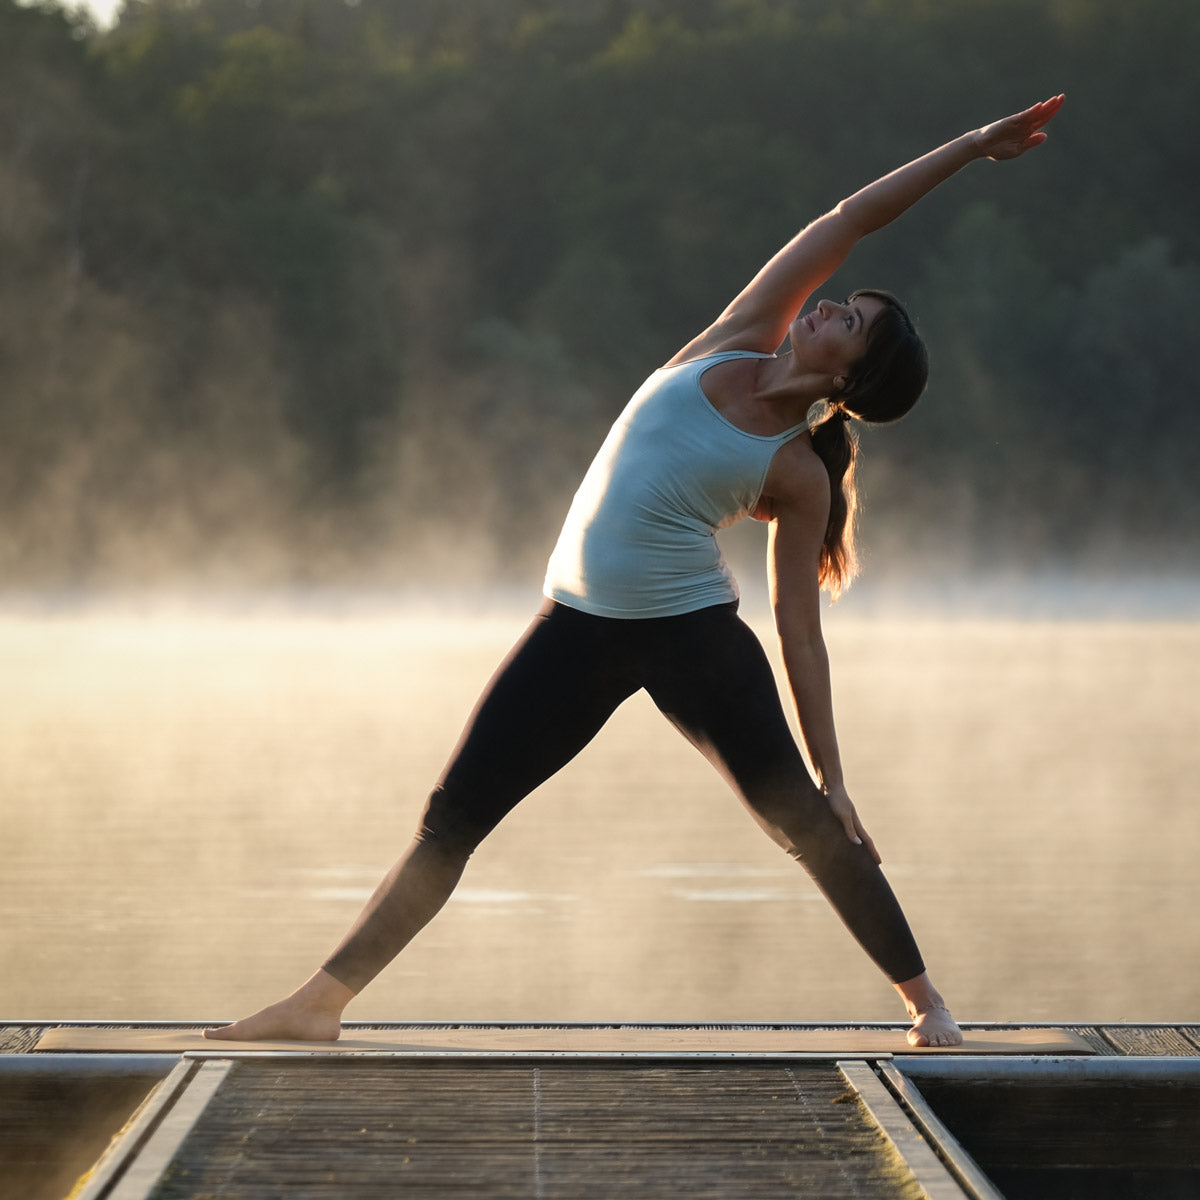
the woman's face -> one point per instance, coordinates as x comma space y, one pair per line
832, 338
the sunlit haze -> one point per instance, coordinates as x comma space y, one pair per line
104, 11
197, 806
312, 317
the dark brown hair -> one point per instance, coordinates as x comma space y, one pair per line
883, 385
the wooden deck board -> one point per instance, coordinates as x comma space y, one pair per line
1154, 1039
19, 1039
363, 1128
1094, 1038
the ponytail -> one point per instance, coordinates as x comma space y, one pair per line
882, 388
836, 442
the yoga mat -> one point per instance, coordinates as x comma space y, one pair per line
569, 1040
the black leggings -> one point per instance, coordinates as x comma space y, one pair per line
707, 673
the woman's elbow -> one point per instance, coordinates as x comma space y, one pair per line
799, 632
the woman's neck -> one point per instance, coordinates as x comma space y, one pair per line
763, 396
784, 383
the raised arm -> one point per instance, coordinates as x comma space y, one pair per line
759, 316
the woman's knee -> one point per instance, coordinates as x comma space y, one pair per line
797, 817
453, 824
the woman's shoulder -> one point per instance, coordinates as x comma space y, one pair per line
726, 336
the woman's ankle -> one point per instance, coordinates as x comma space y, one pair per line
324, 992
920, 996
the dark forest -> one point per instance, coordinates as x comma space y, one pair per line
298, 293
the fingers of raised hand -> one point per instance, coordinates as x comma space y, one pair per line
1041, 113
1022, 131
1051, 106
1029, 123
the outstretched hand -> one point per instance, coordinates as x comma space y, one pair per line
1013, 135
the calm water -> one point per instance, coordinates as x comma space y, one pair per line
195, 807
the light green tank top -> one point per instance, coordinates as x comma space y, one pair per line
639, 539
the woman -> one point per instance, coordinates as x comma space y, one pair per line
638, 596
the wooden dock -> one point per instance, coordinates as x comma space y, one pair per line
580, 1111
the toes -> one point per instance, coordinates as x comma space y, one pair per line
933, 1033
237, 1032
945, 1037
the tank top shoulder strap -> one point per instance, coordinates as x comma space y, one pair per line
699, 365
796, 430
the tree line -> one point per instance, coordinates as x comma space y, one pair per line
309, 290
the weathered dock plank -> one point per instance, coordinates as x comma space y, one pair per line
1092, 1038
555, 1131
19, 1039
1149, 1039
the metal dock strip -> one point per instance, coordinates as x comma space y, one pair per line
134, 1165
127, 1142
916, 1153
961, 1163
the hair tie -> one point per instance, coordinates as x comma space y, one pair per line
824, 411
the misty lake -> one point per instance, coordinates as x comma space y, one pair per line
195, 806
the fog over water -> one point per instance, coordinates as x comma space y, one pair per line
311, 318
198, 801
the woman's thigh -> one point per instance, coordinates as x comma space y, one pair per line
724, 698
717, 687
548, 699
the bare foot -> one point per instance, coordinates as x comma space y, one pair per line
282, 1022
934, 1027
312, 1013
932, 1023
